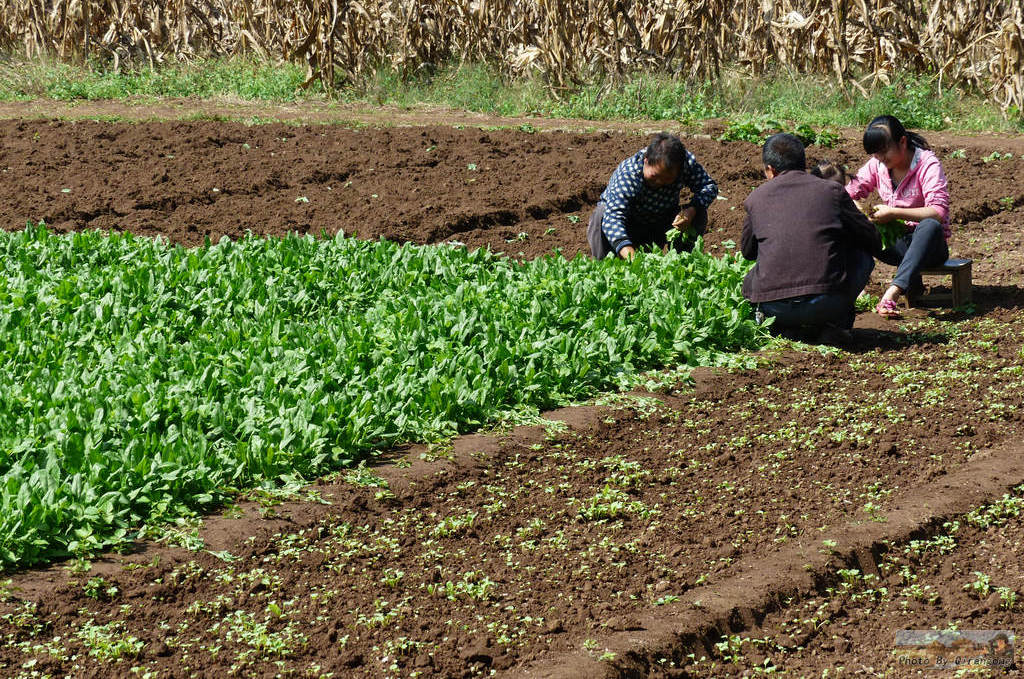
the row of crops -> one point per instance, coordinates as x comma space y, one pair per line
141, 381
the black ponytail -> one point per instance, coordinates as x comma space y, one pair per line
885, 131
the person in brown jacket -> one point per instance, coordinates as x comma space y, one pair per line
814, 249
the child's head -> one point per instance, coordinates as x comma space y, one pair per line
826, 169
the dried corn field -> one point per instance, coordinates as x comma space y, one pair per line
975, 43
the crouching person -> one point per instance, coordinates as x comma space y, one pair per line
813, 248
641, 203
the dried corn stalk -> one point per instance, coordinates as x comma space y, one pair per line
977, 43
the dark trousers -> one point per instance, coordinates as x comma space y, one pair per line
923, 247
600, 247
834, 309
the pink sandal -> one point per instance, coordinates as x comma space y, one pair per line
887, 308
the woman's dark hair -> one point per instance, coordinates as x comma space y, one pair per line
885, 131
826, 169
784, 152
667, 150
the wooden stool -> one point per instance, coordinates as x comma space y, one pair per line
960, 272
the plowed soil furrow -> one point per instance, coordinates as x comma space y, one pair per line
514, 191
531, 544
522, 550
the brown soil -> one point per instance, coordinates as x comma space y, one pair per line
967, 576
516, 192
533, 550
528, 194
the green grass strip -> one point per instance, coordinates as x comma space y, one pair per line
202, 79
802, 99
140, 381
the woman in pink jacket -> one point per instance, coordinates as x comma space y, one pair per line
912, 186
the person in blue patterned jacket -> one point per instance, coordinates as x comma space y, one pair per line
641, 202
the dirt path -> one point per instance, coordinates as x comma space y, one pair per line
233, 109
309, 113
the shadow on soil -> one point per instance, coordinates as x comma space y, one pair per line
863, 340
995, 301
989, 298
868, 339
986, 298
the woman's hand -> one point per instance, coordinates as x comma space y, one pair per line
884, 213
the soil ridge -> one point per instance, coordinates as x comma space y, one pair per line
759, 586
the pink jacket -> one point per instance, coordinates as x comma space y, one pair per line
924, 186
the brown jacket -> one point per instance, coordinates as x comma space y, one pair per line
800, 228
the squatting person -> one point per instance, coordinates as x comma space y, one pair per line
813, 248
641, 202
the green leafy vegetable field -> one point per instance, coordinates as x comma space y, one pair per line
141, 381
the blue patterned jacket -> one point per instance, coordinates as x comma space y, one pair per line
633, 206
